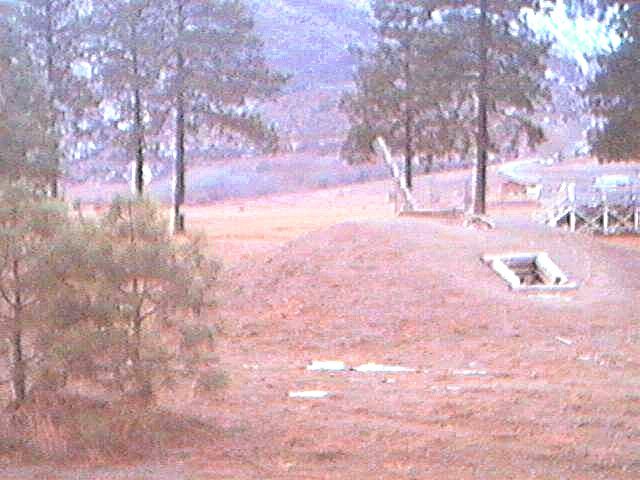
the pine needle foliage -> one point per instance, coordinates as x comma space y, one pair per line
419, 88
613, 96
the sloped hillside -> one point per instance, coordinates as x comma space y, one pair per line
507, 385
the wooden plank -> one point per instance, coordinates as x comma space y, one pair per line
506, 273
549, 270
422, 213
381, 148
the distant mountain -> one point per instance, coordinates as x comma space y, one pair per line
310, 39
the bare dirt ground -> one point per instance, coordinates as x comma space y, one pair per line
334, 275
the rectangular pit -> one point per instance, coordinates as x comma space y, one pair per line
529, 271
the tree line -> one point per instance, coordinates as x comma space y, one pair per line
92, 298
469, 79
80, 297
136, 76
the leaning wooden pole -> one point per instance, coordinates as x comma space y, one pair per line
382, 150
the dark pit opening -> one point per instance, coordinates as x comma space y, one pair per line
528, 272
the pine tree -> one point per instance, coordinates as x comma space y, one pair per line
30, 228
389, 82
51, 30
613, 96
25, 138
469, 73
126, 39
216, 76
143, 279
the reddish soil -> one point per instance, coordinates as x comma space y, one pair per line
334, 275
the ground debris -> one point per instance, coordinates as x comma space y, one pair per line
467, 372
374, 368
327, 366
311, 394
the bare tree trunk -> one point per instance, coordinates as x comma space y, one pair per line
18, 378
408, 156
54, 187
482, 139
408, 121
139, 179
137, 106
141, 378
177, 219
17, 369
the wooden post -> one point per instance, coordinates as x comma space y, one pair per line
571, 197
549, 270
467, 200
572, 218
605, 214
506, 273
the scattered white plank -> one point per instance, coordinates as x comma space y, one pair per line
470, 373
377, 368
311, 394
551, 297
327, 366
564, 341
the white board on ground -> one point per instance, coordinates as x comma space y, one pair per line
309, 394
327, 366
375, 367
470, 373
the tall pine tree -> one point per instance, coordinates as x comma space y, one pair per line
51, 30
450, 95
216, 75
126, 44
26, 140
613, 96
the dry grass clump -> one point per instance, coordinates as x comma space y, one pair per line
59, 427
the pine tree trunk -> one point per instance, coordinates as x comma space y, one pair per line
408, 157
17, 369
54, 189
137, 106
178, 168
139, 179
139, 146
142, 381
408, 121
143, 387
18, 378
482, 139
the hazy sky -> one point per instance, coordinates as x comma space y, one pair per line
575, 37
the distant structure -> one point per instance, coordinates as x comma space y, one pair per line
610, 206
409, 204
